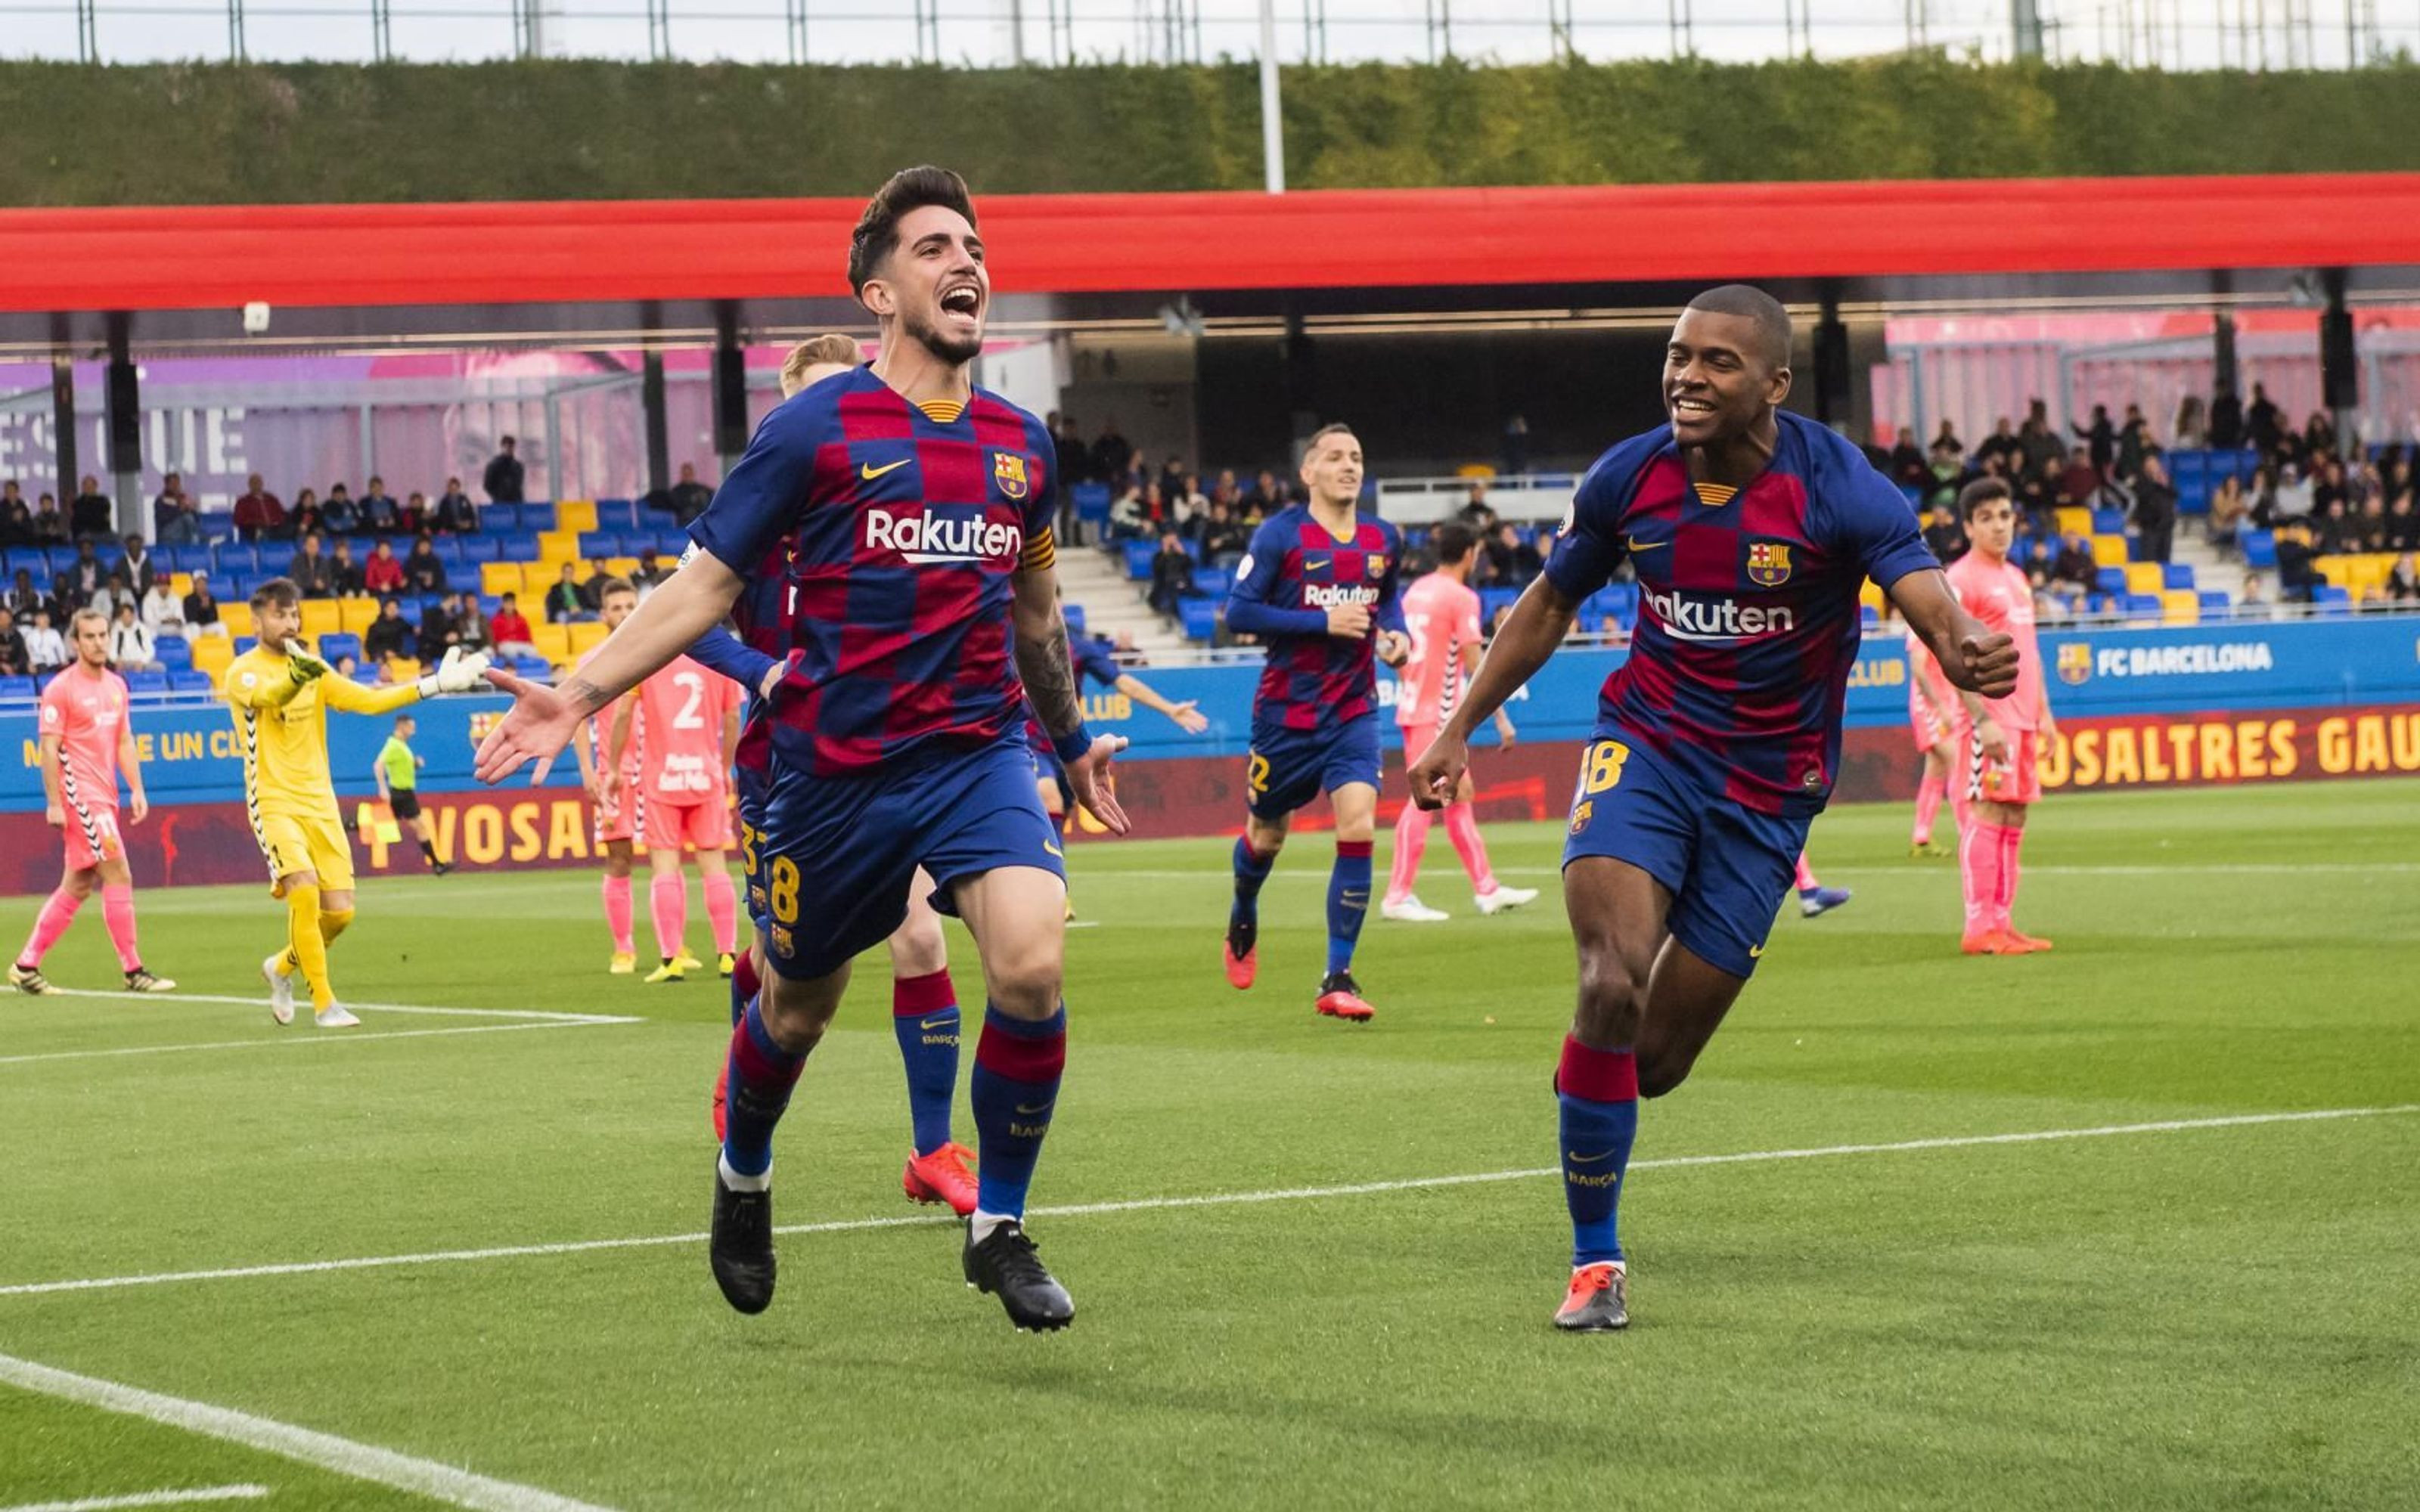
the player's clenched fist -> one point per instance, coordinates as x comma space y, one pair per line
1991, 665
1438, 774
1348, 622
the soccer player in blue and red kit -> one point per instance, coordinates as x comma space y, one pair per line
921, 614
1718, 740
1318, 586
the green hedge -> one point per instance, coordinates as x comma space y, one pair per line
214, 134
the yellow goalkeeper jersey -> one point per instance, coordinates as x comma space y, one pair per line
282, 727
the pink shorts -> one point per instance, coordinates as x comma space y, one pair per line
610, 822
1416, 739
92, 838
2017, 781
1929, 725
705, 824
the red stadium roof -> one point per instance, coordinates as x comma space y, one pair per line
571, 251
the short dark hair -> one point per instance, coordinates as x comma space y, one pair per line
877, 229
1453, 541
1750, 302
280, 592
1334, 428
1980, 492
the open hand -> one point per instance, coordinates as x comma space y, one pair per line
536, 728
1088, 778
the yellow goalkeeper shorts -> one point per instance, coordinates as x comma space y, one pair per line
317, 843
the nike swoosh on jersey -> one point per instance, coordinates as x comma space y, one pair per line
1054, 850
869, 471
1634, 545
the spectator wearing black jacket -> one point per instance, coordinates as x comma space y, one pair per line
2155, 507
688, 497
313, 570
25, 598
13, 660
347, 573
94, 514
564, 600
136, 566
437, 632
2225, 420
423, 572
454, 510
1111, 454
1171, 574
202, 609
503, 479
389, 635
1944, 534
1222, 536
1507, 560
2100, 438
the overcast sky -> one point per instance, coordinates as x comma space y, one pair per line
2188, 33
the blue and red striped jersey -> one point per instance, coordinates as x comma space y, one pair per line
1295, 572
901, 527
1748, 615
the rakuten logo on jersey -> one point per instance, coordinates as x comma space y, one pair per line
1329, 595
1718, 619
933, 538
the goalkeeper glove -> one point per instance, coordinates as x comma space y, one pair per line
456, 674
304, 664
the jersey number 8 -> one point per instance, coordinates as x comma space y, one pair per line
784, 889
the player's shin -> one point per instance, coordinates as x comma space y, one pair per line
117, 911
761, 1076
307, 945
1251, 870
1929, 794
1348, 902
1014, 1087
618, 913
1598, 1091
1411, 841
668, 901
925, 1016
58, 912
722, 911
1979, 870
1461, 827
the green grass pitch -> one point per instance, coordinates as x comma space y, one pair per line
2225, 1314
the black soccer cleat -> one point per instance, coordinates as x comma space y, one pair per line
1598, 1300
438, 869
140, 980
741, 1247
1007, 1265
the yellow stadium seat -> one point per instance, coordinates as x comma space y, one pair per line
236, 616
2109, 550
620, 566
558, 546
575, 515
500, 577
2074, 521
2331, 569
180, 583
586, 636
213, 653
403, 669
320, 617
2179, 606
2146, 577
2366, 574
357, 614
553, 641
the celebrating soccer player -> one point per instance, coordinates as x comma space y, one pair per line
1718, 740
281, 692
1930, 699
2001, 737
1318, 586
684, 724
920, 611
86, 741
614, 805
1441, 620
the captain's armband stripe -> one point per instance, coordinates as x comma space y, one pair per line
1041, 551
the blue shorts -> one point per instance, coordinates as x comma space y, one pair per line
1047, 767
1727, 867
747, 790
837, 856
1286, 768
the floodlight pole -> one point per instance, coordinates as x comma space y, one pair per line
1272, 124
235, 31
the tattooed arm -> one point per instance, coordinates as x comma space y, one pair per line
1049, 675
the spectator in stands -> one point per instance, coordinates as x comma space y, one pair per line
2036, 491
423, 572
1513, 447
2226, 419
2155, 505
390, 634
2074, 572
437, 633
16, 520
15, 660
112, 594
1129, 519
2402, 523
510, 632
378, 509
2320, 435
340, 515
2262, 425
1264, 494
2328, 485
645, 576
1172, 576
2037, 442
454, 510
83, 578
305, 517
1946, 439
1222, 538
565, 599
414, 519
592, 589
1111, 453
1154, 507
345, 573
470, 621
1944, 474
2134, 440
1907, 467
2296, 575
2080, 480
2293, 496
2099, 439
689, 496
94, 514
2193, 424
163, 612
24, 597
2254, 602
130, 643
2001, 443
1942, 533
2403, 580
175, 519
313, 570
46, 650
1509, 561
503, 479
2228, 504
2366, 525
2334, 532
202, 609
50, 526
1067, 443
382, 574
135, 564
1476, 512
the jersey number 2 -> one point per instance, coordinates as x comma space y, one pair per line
687, 719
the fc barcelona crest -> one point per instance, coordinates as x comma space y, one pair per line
1008, 471
1374, 565
1768, 562
2075, 662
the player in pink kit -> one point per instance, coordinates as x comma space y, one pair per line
614, 805
86, 741
1931, 713
684, 724
2001, 738
1441, 614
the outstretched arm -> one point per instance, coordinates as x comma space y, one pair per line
1188, 717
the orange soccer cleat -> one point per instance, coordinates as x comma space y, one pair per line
1243, 954
1986, 942
1339, 996
2027, 944
1598, 1300
942, 1176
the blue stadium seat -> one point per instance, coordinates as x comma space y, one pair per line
598, 544
2260, 548
477, 549
1075, 613
366, 674
2109, 523
2179, 574
175, 652
191, 682
339, 645
2110, 580
2189, 467
449, 550
621, 515
1867, 616
2215, 604
500, 519
245, 642
1138, 555
2331, 602
235, 557
18, 690
540, 517
32, 561
1199, 618
1493, 600
148, 684
2145, 607
1192, 548
1212, 581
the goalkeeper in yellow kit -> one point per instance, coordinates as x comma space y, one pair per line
281, 693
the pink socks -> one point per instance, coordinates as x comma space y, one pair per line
1461, 827
617, 914
722, 911
668, 898
118, 910
1411, 841
52, 922
1928, 804
1806, 882
1981, 858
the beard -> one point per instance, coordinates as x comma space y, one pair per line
956, 350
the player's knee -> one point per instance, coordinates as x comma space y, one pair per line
1613, 989
1025, 984
919, 948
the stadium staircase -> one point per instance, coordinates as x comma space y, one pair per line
1103, 601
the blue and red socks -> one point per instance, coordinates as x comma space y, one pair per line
744, 984
1014, 1085
761, 1076
1599, 1093
925, 1016
1251, 870
1348, 902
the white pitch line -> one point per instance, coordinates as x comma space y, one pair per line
1910, 869
169, 999
323, 1451
1209, 1200
182, 1498
303, 1036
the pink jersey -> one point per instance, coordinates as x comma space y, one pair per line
1929, 693
679, 734
600, 728
1443, 617
88, 714
1998, 594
